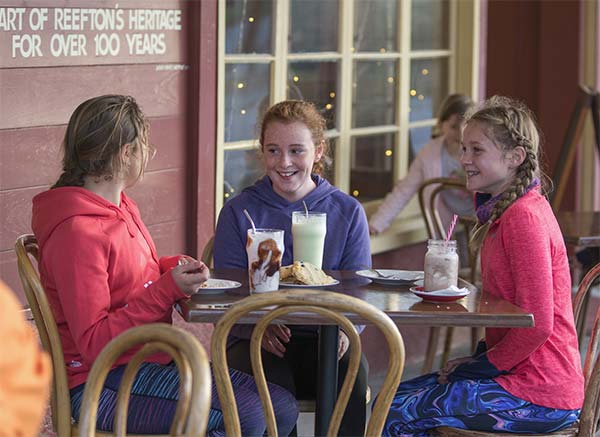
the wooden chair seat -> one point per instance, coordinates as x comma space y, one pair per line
332, 305
185, 349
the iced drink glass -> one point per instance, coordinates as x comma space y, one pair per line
308, 232
441, 265
264, 248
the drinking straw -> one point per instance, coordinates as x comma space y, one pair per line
451, 228
305, 209
251, 221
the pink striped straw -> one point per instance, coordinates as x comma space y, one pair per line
451, 228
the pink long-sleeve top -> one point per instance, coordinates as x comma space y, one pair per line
524, 261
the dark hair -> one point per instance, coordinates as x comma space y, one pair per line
509, 124
96, 133
290, 111
457, 104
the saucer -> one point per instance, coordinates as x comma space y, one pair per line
439, 296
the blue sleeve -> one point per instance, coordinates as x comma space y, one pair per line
230, 242
357, 252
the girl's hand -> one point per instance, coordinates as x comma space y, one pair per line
274, 337
189, 275
449, 368
343, 344
372, 230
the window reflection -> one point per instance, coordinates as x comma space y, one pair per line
248, 24
242, 169
418, 137
372, 172
315, 82
374, 93
247, 95
428, 87
430, 24
313, 26
375, 26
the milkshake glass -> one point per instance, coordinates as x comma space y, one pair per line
308, 232
264, 248
441, 265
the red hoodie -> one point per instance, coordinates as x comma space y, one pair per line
99, 267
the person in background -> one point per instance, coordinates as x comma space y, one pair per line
25, 372
102, 275
519, 380
438, 158
293, 146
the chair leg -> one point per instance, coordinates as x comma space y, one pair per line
447, 345
434, 335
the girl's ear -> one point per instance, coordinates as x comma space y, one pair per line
319, 148
516, 156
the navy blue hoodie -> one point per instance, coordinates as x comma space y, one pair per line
347, 243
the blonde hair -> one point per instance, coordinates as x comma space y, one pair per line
306, 113
509, 124
97, 131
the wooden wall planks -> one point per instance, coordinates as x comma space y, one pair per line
37, 96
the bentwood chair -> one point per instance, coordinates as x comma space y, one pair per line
588, 420
430, 193
191, 415
26, 248
331, 305
207, 252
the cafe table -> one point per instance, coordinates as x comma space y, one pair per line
478, 309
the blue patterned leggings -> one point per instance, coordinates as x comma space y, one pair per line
154, 398
421, 404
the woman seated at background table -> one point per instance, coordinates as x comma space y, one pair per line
519, 380
102, 275
438, 158
293, 147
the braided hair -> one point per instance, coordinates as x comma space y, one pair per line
509, 124
304, 112
96, 133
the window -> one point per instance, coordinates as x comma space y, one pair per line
377, 69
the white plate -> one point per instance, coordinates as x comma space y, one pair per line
215, 286
290, 284
439, 296
395, 277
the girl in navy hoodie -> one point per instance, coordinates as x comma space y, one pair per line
294, 149
102, 275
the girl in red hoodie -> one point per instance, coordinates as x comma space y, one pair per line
520, 380
100, 270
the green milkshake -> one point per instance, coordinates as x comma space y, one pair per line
308, 232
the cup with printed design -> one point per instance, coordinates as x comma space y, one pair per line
264, 248
308, 234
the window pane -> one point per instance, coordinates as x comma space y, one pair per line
248, 26
418, 137
375, 26
313, 26
430, 24
242, 169
247, 96
317, 83
428, 87
372, 172
374, 96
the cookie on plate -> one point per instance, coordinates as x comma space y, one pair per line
309, 274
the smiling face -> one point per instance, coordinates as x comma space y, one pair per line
489, 169
288, 156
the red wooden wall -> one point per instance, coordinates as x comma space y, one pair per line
38, 94
533, 53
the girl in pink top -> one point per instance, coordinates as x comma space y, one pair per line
520, 380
